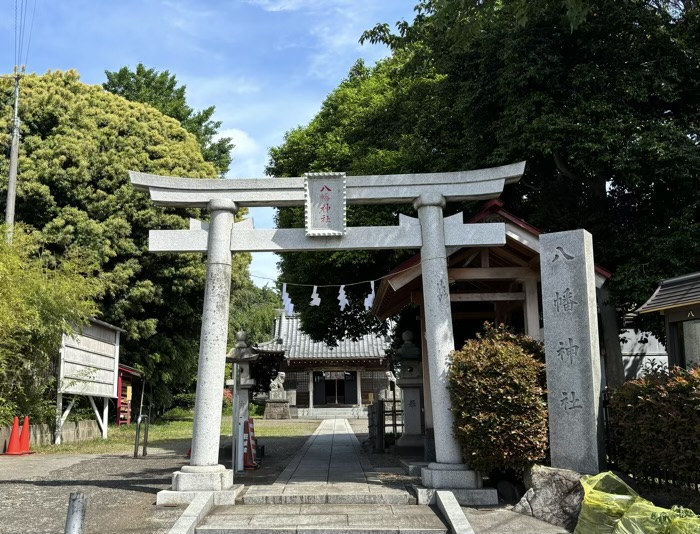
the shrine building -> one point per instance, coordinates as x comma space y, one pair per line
346, 375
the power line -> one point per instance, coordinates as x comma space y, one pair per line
29, 41
22, 36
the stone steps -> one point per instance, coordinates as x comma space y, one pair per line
321, 518
332, 413
348, 493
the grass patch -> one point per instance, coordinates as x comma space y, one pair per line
176, 425
271, 428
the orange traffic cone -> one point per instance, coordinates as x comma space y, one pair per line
253, 441
13, 446
248, 460
24, 437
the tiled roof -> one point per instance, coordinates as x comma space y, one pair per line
674, 293
299, 346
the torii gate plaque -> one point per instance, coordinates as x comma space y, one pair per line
431, 232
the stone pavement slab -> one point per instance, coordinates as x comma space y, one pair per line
316, 493
329, 468
327, 518
503, 521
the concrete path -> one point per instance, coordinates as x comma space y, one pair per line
329, 486
330, 468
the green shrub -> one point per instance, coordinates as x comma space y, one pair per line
184, 400
178, 414
498, 400
255, 410
655, 422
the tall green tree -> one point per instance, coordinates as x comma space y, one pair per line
605, 110
161, 90
253, 309
351, 133
78, 144
41, 298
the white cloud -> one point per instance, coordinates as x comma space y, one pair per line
184, 17
297, 5
263, 269
249, 156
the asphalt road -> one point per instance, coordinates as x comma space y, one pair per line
120, 490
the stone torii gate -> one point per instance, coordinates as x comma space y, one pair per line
431, 233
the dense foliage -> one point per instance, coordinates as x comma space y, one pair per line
656, 422
253, 309
41, 297
601, 98
498, 401
348, 134
161, 91
78, 142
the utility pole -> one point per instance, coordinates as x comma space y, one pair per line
14, 156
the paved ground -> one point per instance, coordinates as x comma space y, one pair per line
328, 486
121, 490
329, 468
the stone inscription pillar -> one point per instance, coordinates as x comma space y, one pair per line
204, 471
572, 350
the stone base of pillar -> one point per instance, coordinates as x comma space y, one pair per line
465, 497
178, 498
450, 476
466, 484
202, 478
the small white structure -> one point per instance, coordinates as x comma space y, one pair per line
89, 365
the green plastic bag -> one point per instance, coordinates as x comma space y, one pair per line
606, 499
645, 518
685, 525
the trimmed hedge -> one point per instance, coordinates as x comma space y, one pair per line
655, 421
498, 400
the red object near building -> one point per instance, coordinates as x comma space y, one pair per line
125, 393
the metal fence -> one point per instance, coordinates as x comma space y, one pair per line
385, 423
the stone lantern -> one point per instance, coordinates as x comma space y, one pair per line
241, 356
411, 384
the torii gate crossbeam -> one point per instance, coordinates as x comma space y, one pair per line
431, 233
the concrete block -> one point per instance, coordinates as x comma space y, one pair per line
465, 497
444, 476
178, 498
452, 512
413, 468
197, 510
202, 478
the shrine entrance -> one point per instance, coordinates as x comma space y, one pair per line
334, 388
325, 196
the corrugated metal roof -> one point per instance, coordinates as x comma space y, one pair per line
674, 293
299, 346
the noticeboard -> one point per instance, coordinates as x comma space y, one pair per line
90, 361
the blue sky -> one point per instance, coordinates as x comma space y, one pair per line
266, 65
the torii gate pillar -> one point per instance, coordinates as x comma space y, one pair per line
449, 469
204, 471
